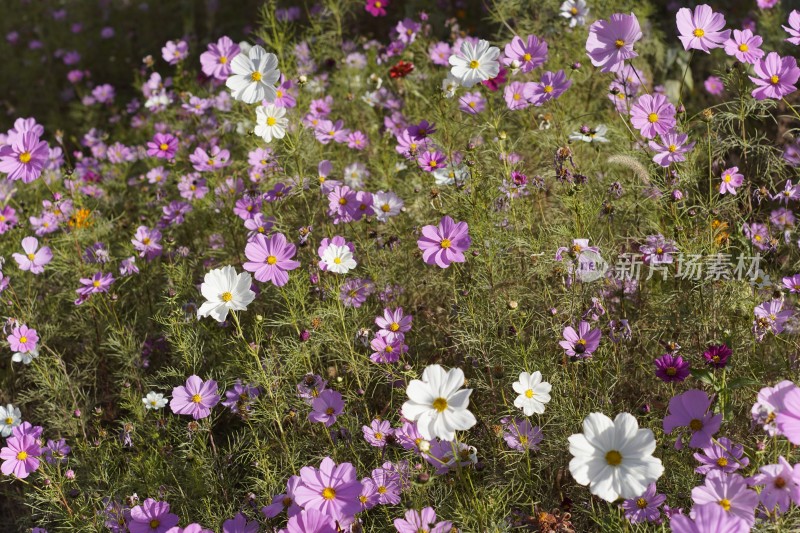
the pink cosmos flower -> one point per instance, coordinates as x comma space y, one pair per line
691, 409
191, 528
326, 407
331, 489
216, 60
610, 42
24, 157
151, 517
525, 55
387, 350
163, 146
196, 398
444, 244
672, 148
147, 242
393, 322
794, 27
20, 456
270, 258
99, 282
377, 8
730, 492
730, 180
472, 103
708, 518
311, 521
215, 159
551, 86
788, 418
653, 115
582, 343
8, 218
430, 161
744, 46
424, 520
781, 484
516, 95
33, 259
701, 29
23, 339
377, 432
776, 77
173, 53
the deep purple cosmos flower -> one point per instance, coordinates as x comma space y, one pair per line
671, 368
331, 489
270, 258
24, 157
582, 343
326, 407
645, 508
163, 146
196, 398
20, 456
657, 250
691, 410
701, 29
776, 77
239, 524
653, 115
151, 517
610, 42
730, 492
239, 398
444, 244
716, 355
216, 60
724, 455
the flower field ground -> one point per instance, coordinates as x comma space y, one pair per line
415, 266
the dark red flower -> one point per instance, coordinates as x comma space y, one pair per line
716, 355
401, 69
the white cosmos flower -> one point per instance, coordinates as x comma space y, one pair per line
576, 11
450, 85
385, 205
476, 63
25, 358
596, 135
254, 76
450, 174
10, 417
533, 393
438, 404
271, 122
154, 400
225, 290
615, 458
338, 259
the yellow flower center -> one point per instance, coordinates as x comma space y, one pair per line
279, 94
613, 458
338, 260
548, 89
223, 59
723, 462
474, 64
271, 121
226, 297
743, 47
523, 440
271, 260
196, 398
154, 523
96, 283
698, 32
9, 421
774, 80
652, 118
619, 43
696, 425
394, 326
672, 148
517, 96
22, 455
386, 208
146, 241
574, 10
23, 339
526, 57
328, 493
163, 147
342, 201
379, 436
388, 349
727, 178
329, 411
725, 504
255, 76
440, 404
446, 243
378, 5
641, 503
529, 393
381, 490
25, 157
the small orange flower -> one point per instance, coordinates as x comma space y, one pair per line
81, 219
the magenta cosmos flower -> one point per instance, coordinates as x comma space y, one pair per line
326, 407
707, 519
216, 60
270, 258
163, 146
196, 398
671, 368
444, 244
582, 343
24, 157
701, 29
691, 410
151, 517
671, 149
424, 520
776, 77
377, 8
610, 42
730, 492
23, 339
20, 456
653, 115
744, 46
730, 180
33, 259
331, 489
525, 55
